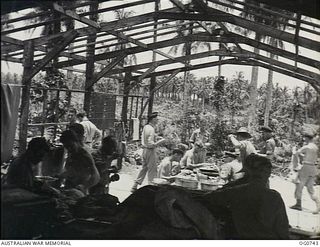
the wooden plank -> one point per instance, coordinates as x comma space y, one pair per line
11, 59
143, 45
52, 54
25, 97
75, 16
105, 70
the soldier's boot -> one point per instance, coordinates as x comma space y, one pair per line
297, 206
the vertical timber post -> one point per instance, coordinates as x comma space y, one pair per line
90, 60
28, 55
154, 57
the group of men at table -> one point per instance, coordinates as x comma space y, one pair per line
196, 156
233, 167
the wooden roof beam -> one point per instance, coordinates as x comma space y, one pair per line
200, 37
105, 70
257, 27
75, 16
66, 40
237, 62
145, 46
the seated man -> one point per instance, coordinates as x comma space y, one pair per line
193, 158
257, 211
167, 167
230, 170
106, 163
22, 170
80, 171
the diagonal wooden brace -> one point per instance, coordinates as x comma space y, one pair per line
66, 40
105, 70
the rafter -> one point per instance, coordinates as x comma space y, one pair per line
67, 39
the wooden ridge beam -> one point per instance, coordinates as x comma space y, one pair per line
66, 40
258, 27
105, 70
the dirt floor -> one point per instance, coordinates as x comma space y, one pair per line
303, 220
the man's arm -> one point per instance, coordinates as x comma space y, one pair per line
234, 141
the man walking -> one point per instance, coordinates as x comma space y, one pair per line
307, 157
149, 156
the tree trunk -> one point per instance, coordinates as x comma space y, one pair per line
253, 90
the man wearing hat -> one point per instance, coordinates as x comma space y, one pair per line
307, 157
149, 157
257, 212
269, 143
241, 142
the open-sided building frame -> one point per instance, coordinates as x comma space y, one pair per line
197, 16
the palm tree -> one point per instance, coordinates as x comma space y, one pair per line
276, 22
186, 49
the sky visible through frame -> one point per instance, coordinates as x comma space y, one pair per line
228, 71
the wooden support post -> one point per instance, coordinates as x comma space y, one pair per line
153, 81
137, 106
131, 107
44, 110
56, 114
126, 91
90, 60
156, 89
28, 54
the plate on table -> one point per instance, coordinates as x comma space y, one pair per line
46, 178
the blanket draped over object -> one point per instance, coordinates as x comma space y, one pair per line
10, 99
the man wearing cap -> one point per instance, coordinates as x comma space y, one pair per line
241, 142
307, 157
269, 143
257, 212
149, 157
230, 170
193, 158
169, 166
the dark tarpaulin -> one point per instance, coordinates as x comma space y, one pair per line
10, 99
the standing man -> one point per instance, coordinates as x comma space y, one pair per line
307, 156
149, 156
269, 143
92, 135
241, 142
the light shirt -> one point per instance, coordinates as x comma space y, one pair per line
91, 132
309, 153
148, 137
246, 148
165, 167
269, 148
